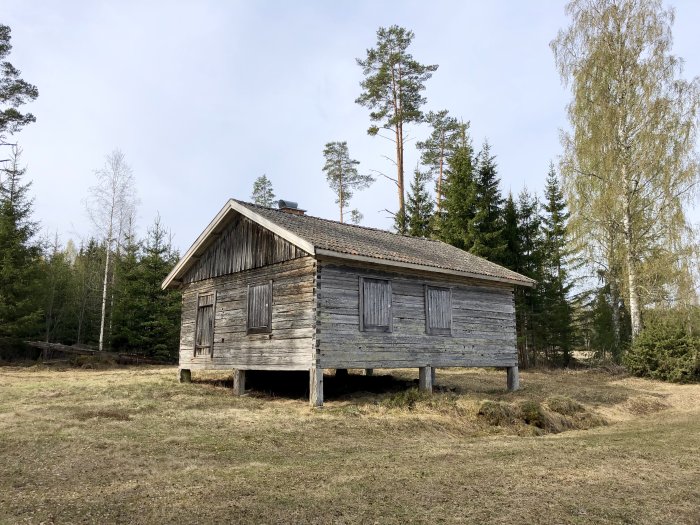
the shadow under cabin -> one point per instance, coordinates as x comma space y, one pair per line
276, 289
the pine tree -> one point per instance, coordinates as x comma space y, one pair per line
392, 91
437, 149
342, 176
14, 92
419, 207
556, 285
488, 241
455, 225
263, 194
20, 279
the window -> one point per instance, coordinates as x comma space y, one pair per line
438, 311
375, 305
259, 308
204, 327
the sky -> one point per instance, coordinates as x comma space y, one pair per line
202, 97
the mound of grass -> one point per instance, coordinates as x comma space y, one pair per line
406, 399
559, 414
564, 405
497, 413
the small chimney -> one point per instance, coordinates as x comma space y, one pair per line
290, 207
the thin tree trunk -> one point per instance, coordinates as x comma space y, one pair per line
341, 197
438, 197
104, 291
632, 279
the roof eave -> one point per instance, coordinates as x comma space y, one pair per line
422, 267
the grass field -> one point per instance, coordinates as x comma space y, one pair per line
131, 445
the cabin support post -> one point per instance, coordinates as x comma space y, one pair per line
185, 375
513, 378
316, 387
369, 371
238, 382
432, 376
425, 379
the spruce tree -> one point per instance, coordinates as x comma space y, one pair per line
511, 235
160, 324
129, 303
419, 207
488, 240
20, 279
556, 285
455, 225
528, 301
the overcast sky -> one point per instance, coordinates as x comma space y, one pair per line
203, 97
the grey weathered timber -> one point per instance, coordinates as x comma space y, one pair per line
256, 297
425, 379
238, 382
289, 345
316, 387
513, 378
242, 245
481, 327
185, 375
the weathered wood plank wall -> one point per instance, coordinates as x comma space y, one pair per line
483, 322
241, 246
288, 347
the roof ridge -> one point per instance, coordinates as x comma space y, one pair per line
348, 224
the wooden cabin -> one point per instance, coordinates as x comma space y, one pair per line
276, 289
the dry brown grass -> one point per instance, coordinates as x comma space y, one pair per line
132, 445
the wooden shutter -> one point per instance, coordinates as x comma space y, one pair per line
259, 308
204, 326
438, 310
375, 305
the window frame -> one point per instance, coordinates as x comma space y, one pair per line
259, 329
372, 328
196, 346
429, 329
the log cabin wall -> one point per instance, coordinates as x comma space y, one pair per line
241, 246
288, 346
483, 321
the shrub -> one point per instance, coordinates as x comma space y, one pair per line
668, 349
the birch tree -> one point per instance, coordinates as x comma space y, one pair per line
392, 90
111, 208
342, 175
629, 166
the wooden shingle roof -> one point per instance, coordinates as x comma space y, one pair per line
326, 238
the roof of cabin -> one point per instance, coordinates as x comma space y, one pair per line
323, 237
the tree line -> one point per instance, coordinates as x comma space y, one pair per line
103, 293
609, 241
